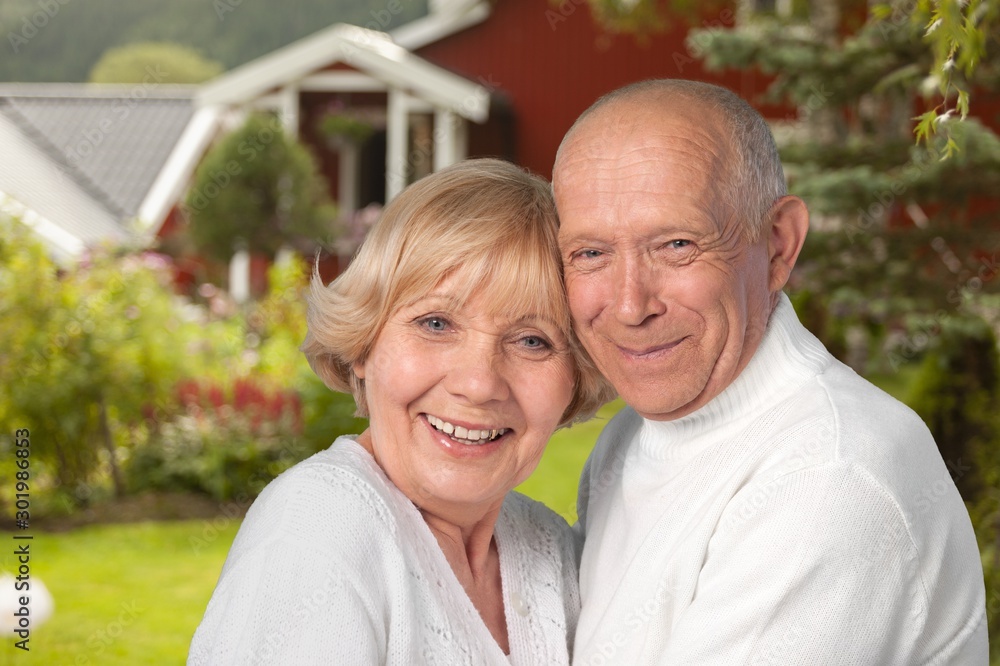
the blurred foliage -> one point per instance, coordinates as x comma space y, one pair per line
64, 41
170, 63
326, 414
260, 189
84, 350
957, 394
219, 452
196, 396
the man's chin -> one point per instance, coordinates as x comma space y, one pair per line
658, 405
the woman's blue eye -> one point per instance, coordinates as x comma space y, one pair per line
534, 342
435, 323
590, 254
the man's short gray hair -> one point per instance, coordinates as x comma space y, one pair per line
756, 179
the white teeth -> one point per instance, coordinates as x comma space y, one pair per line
465, 435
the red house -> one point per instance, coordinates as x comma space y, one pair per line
472, 78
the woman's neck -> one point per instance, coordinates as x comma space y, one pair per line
465, 536
472, 553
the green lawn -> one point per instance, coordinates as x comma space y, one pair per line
124, 594
134, 594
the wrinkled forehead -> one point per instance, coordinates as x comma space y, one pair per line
640, 131
671, 170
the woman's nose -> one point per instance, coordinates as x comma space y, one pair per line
477, 376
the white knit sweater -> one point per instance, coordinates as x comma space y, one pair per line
334, 565
801, 517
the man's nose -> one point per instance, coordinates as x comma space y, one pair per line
636, 298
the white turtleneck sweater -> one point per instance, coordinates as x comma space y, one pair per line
801, 517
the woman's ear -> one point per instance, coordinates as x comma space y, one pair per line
358, 367
789, 223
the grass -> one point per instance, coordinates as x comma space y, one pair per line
134, 593
124, 594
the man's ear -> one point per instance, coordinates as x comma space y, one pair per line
787, 233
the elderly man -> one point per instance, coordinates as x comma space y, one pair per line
757, 502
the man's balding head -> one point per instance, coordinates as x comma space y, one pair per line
754, 178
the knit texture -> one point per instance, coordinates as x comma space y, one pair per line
801, 517
334, 565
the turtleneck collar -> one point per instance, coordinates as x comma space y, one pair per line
787, 356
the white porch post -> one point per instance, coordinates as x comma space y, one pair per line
445, 135
396, 140
461, 138
289, 110
239, 276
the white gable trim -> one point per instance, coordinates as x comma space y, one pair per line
372, 52
175, 175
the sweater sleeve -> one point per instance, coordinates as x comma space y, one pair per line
266, 614
288, 594
815, 567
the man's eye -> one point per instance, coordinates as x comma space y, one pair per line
679, 243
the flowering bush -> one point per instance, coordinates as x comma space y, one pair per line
121, 381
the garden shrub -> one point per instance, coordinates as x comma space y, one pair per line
326, 414
88, 352
226, 444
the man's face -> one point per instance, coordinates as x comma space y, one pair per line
666, 294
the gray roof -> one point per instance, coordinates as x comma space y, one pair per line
112, 140
37, 184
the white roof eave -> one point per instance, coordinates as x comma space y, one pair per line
370, 51
399, 68
435, 27
173, 178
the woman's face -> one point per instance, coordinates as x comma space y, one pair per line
462, 400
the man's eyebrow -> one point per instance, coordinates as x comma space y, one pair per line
576, 239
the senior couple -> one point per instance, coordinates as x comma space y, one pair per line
756, 502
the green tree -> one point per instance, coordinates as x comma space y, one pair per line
260, 189
168, 63
956, 34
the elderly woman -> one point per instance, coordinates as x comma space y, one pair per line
405, 544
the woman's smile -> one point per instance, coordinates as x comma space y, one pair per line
470, 435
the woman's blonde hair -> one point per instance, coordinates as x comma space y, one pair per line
489, 219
